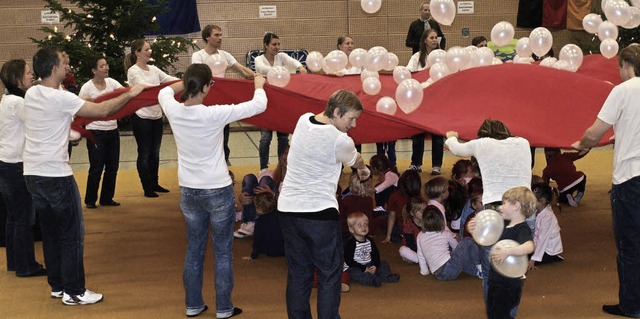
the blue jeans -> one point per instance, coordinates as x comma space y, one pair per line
148, 134
626, 225
312, 243
201, 208
57, 201
464, 258
417, 149
21, 217
249, 183
103, 155
265, 142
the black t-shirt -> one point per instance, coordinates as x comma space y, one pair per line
520, 233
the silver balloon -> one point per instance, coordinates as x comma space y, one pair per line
512, 266
488, 228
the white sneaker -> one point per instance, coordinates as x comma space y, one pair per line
238, 216
57, 294
87, 298
571, 201
436, 170
245, 230
417, 168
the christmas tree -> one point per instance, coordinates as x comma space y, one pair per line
107, 27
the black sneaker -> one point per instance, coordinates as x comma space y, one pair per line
160, 189
150, 194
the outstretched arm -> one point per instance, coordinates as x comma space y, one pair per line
592, 135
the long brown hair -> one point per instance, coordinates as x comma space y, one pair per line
131, 58
424, 50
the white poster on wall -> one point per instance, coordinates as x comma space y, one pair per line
268, 12
465, 7
49, 17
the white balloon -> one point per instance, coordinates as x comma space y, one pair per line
522, 47
74, 135
573, 55
427, 83
514, 266
371, 85
496, 61
607, 30
522, 59
217, 63
562, 65
436, 56
634, 22
488, 228
366, 73
502, 33
485, 56
438, 71
279, 76
392, 62
337, 60
443, 11
456, 58
326, 69
590, 22
617, 11
314, 61
409, 95
401, 73
386, 105
358, 57
609, 48
472, 52
540, 41
376, 59
370, 6
548, 62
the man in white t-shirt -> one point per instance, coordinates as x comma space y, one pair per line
308, 206
621, 111
49, 178
212, 36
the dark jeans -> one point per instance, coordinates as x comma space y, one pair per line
148, 134
21, 217
625, 207
383, 274
390, 149
417, 149
463, 259
104, 154
502, 300
265, 142
312, 243
249, 183
57, 201
225, 136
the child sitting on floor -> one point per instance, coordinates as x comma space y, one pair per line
387, 179
267, 236
547, 234
440, 254
561, 169
362, 256
359, 199
412, 214
437, 191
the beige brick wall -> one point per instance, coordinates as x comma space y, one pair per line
309, 24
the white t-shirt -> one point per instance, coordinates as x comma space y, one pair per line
351, 71
622, 110
198, 131
314, 165
153, 77
504, 164
414, 63
48, 114
11, 128
202, 55
89, 89
281, 59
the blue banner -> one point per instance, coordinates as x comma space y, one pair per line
182, 18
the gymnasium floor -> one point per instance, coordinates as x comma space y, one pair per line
134, 255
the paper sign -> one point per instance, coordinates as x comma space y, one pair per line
49, 17
465, 7
268, 12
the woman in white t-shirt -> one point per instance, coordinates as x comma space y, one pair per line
265, 62
16, 76
104, 152
147, 122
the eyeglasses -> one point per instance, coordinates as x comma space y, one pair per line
211, 82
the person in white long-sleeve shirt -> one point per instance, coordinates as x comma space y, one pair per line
264, 63
206, 190
147, 122
212, 36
